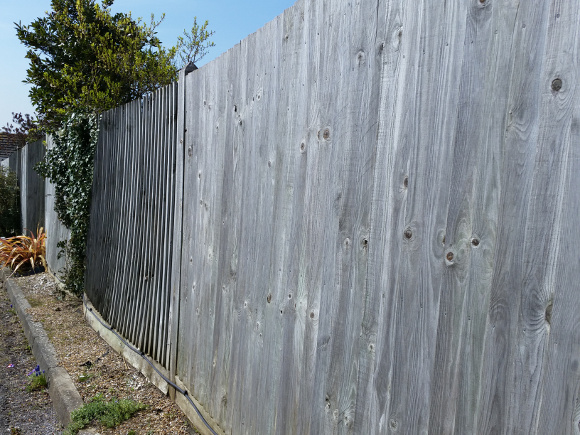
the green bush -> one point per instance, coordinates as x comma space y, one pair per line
9, 204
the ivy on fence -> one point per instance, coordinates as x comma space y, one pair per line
69, 166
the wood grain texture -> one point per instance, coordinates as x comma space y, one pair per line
361, 219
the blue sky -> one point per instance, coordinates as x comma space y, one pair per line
231, 20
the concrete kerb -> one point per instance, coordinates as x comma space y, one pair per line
65, 397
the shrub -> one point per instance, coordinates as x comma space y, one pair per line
9, 203
24, 252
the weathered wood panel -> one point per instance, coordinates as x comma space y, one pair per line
31, 187
371, 193
129, 246
363, 220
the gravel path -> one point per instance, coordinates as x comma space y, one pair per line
21, 412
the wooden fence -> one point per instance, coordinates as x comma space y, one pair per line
132, 220
373, 226
37, 201
22, 161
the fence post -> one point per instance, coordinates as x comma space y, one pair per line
177, 231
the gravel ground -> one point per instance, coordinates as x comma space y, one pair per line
93, 366
21, 412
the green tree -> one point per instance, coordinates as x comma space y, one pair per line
194, 45
84, 58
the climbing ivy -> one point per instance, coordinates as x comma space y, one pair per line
69, 166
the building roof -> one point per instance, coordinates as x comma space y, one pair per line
9, 143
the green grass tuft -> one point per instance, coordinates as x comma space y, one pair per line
37, 383
108, 413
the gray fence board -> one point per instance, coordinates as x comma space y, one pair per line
177, 235
31, 187
556, 298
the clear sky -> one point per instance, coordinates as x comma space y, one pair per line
231, 20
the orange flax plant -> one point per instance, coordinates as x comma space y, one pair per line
23, 251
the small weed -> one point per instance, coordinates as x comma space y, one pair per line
131, 432
108, 413
85, 377
34, 302
37, 383
15, 430
37, 380
12, 311
192, 429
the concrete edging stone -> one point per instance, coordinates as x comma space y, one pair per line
65, 397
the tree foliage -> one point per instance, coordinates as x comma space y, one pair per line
84, 58
25, 128
194, 45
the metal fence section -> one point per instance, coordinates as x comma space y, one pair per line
130, 256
